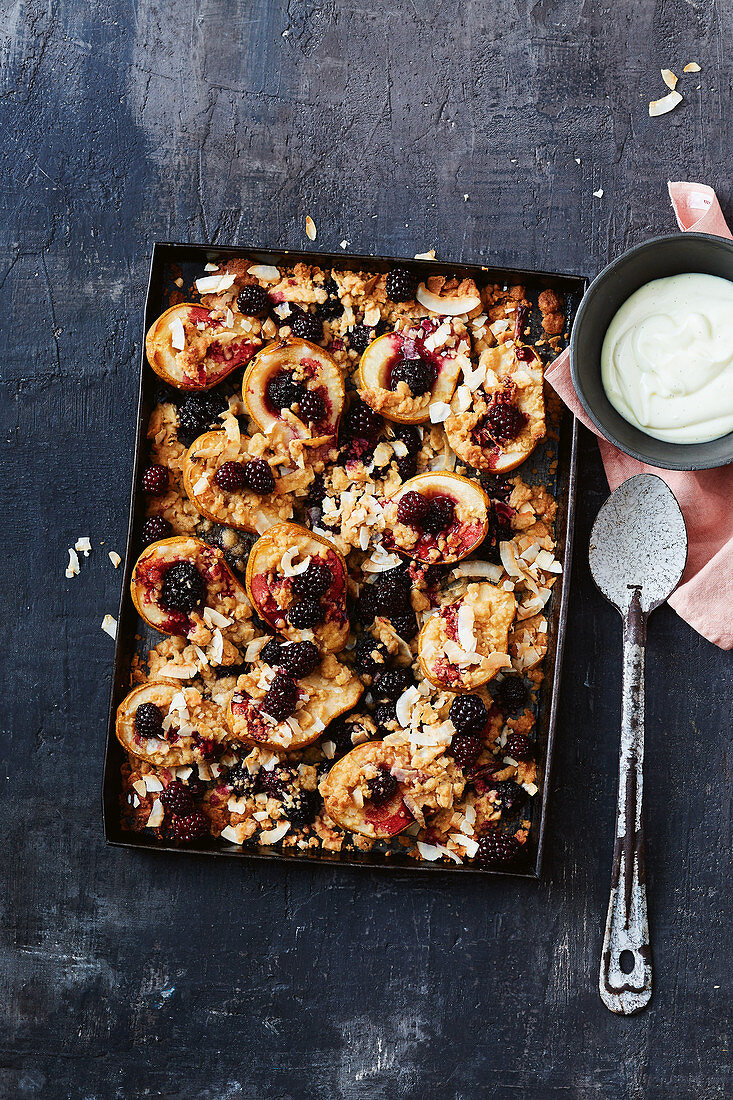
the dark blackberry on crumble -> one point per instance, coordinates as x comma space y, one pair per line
154, 529
370, 656
177, 798
382, 786
312, 407
440, 515
274, 782
406, 467
505, 421
519, 747
315, 582
362, 422
299, 659
408, 435
253, 301
155, 480
258, 476
306, 614
465, 749
392, 683
240, 780
509, 794
196, 414
497, 849
230, 477
360, 337
183, 589
384, 715
468, 713
413, 508
401, 285
307, 326
189, 827
417, 373
281, 698
391, 595
302, 807
149, 720
512, 693
283, 391
333, 305
271, 653
405, 625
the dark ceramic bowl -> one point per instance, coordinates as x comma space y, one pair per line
684, 252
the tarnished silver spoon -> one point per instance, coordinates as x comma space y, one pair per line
638, 550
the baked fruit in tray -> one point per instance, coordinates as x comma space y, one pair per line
348, 603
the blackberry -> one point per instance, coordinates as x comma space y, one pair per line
271, 653
205, 746
315, 582
306, 614
316, 493
413, 508
405, 625
195, 415
499, 531
333, 304
519, 747
312, 407
497, 849
274, 782
155, 480
177, 798
362, 422
282, 697
188, 828
382, 786
299, 659
391, 597
468, 713
406, 467
391, 684
512, 693
253, 301
282, 390
302, 808
364, 609
401, 285
183, 589
155, 528
505, 421
509, 794
230, 477
258, 476
240, 780
149, 720
360, 337
417, 373
340, 733
409, 436
465, 749
307, 326
370, 656
440, 515
385, 713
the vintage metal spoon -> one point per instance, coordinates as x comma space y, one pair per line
638, 550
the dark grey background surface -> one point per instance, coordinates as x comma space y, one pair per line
228, 121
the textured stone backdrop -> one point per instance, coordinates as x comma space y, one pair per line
480, 129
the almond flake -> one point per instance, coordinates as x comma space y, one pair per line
178, 335
310, 228
691, 67
665, 105
109, 625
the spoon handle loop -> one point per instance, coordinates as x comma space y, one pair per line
626, 965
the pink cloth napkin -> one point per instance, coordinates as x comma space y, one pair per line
704, 599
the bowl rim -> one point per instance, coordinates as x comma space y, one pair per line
668, 464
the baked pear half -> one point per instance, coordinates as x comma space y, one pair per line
401, 374
328, 691
436, 518
506, 418
362, 796
227, 497
296, 581
168, 725
183, 586
194, 348
294, 390
467, 642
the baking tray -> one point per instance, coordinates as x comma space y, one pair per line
190, 258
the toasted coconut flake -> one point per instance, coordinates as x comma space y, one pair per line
425, 255
115, 558
310, 228
329, 749
211, 267
178, 336
229, 832
478, 569
446, 307
266, 272
286, 563
72, 569
156, 815
179, 672
439, 411
201, 485
430, 852
404, 705
599, 193
153, 784
664, 105
669, 78
212, 617
109, 625
466, 842
83, 545
271, 836
691, 67
465, 621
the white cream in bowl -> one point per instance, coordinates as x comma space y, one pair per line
667, 358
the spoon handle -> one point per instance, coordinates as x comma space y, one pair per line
626, 966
